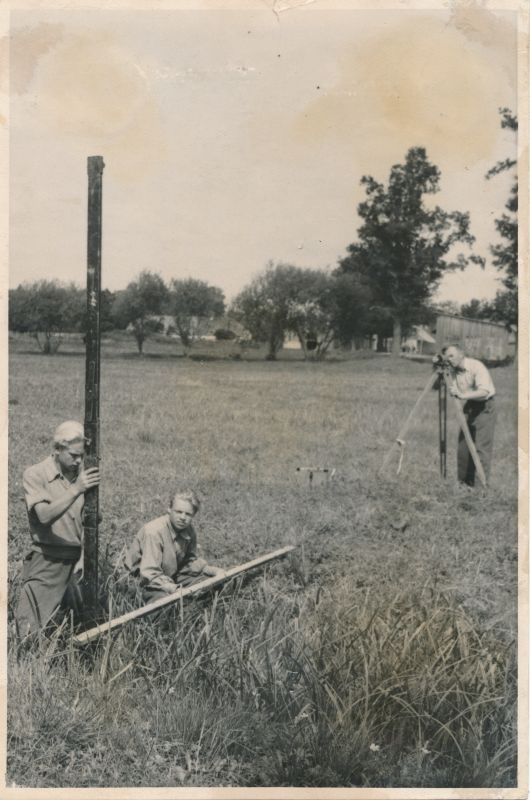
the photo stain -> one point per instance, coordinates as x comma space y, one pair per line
422, 81
483, 26
88, 88
24, 48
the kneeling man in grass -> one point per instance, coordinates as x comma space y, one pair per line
163, 554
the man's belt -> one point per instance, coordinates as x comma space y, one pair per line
478, 404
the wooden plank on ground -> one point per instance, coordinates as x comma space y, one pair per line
150, 608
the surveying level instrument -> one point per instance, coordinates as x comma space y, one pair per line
441, 376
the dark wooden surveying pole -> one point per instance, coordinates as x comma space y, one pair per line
92, 382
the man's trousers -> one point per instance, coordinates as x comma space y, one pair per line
46, 584
480, 416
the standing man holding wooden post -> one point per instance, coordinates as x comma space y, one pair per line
54, 491
57, 489
95, 167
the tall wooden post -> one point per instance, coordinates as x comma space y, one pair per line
92, 381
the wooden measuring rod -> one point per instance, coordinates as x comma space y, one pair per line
150, 608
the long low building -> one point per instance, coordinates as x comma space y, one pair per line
479, 338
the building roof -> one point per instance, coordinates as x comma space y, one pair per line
469, 319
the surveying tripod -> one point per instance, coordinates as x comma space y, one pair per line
440, 374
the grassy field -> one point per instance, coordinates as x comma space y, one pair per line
382, 654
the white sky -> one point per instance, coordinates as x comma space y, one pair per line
234, 137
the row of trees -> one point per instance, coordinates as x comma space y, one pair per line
316, 306
191, 304
383, 286
47, 309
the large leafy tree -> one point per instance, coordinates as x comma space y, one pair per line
139, 306
318, 307
263, 307
503, 308
505, 253
447, 307
194, 304
47, 310
328, 308
477, 309
279, 300
311, 312
404, 246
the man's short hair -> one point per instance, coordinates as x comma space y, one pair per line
446, 347
187, 495
68, 433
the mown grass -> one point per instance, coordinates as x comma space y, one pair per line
382, 654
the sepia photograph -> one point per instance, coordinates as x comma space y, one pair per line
265, 372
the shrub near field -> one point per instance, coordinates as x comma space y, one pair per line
381, 654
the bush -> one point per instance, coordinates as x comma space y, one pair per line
223, 334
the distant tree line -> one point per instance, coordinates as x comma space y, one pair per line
382, 287
49, 309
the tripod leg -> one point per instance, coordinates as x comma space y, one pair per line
406, 425
467, 435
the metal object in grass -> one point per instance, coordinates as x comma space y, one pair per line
327, 473
150, 608
439, 374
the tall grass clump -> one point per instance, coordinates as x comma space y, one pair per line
407, 691
263, 687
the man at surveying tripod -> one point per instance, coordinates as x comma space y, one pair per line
470, 382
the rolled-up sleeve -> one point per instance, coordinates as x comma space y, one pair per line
150, 568
35, 489
483, 382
